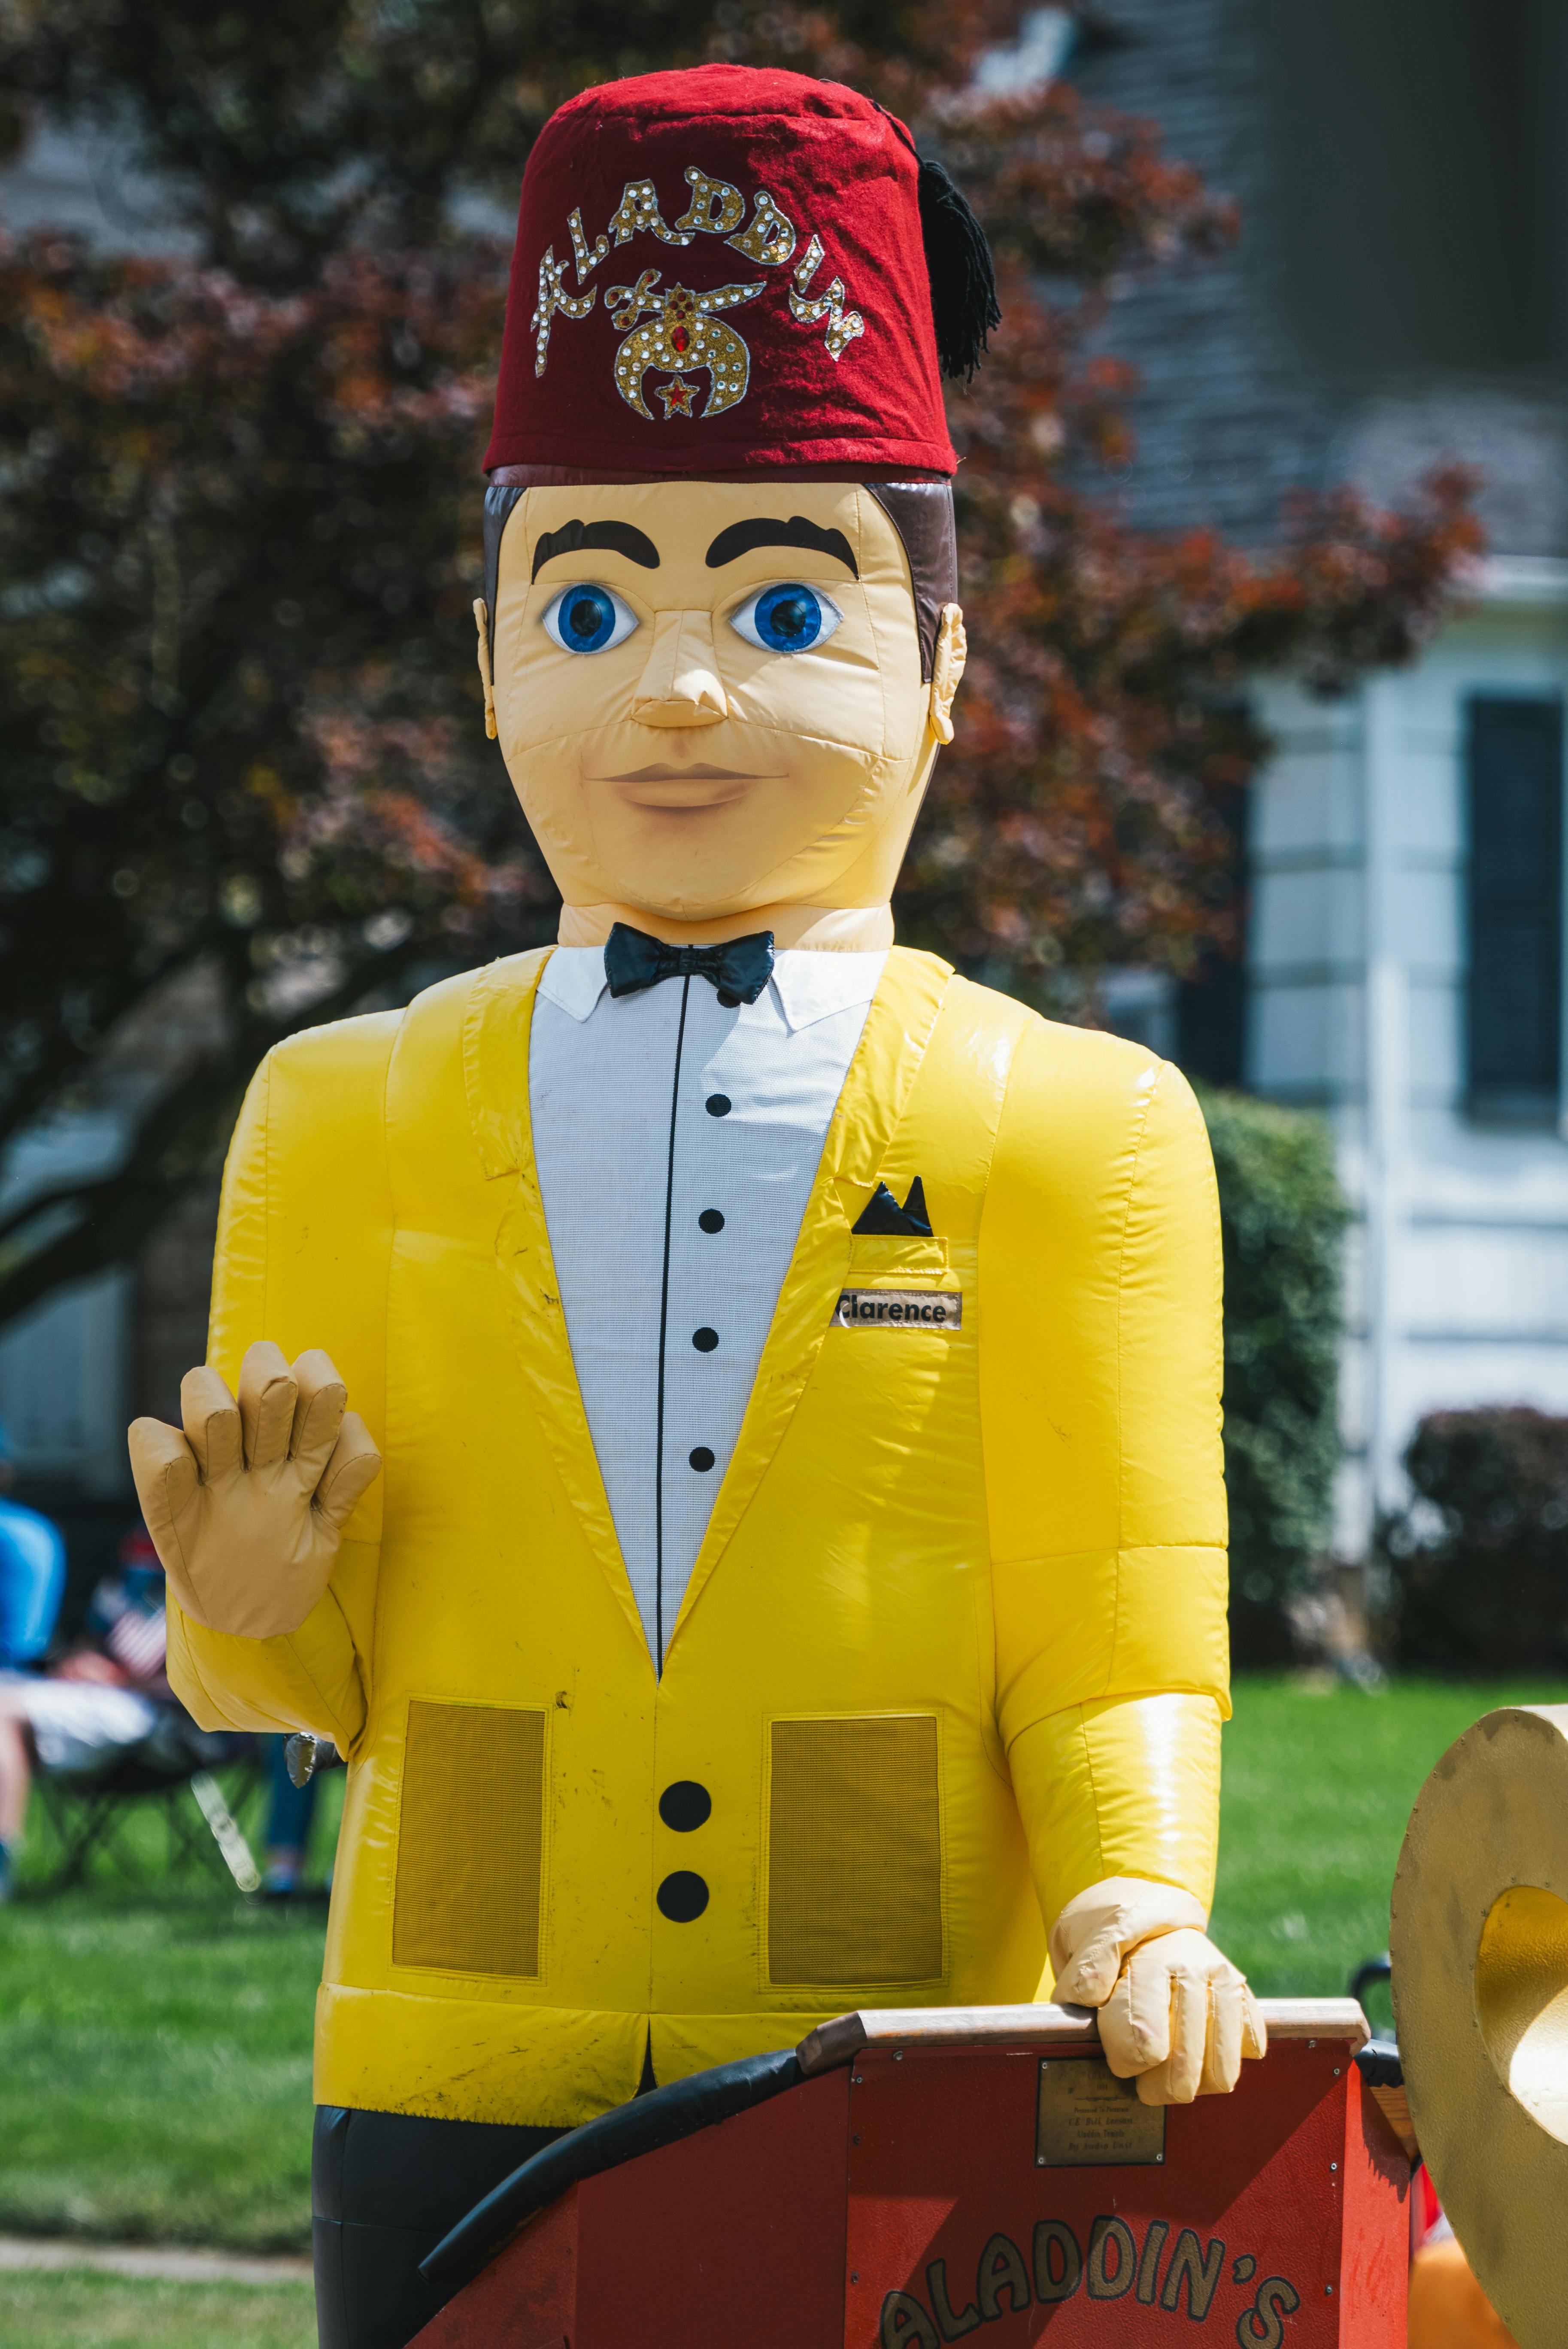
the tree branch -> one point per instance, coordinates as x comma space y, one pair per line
113, 1214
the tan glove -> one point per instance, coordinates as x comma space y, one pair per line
246, 1508
1174, 2012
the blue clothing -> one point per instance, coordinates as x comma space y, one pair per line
32, 1583
291, 1808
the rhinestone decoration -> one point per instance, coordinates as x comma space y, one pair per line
553, 296
676, 333
715, 208
843, 325
638, 213
770, 238
588, 257
682, 338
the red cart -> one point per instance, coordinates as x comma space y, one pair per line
910, 2178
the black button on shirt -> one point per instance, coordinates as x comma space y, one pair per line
686, 1806
705, 1340
710, 1220
682, 1897
701, 1457
718, 1104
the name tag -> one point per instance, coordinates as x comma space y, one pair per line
899, 1309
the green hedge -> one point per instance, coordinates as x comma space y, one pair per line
1478, 1563
1283, 1216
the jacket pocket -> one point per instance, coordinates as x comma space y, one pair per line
470, 1839
877, 1257
855, 1850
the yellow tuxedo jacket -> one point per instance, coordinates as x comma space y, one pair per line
954, 1647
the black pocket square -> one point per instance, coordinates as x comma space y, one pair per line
883, 1218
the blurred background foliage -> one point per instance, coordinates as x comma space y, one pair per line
240, 537
1282, 1219
1478, 1564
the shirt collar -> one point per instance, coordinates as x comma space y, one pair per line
807, 985
810, 984
574, 979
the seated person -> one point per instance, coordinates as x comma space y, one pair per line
291, 1813
108, 1695
32, 1573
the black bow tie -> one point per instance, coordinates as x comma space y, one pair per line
740, 968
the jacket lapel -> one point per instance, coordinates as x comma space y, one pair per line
892, 1044
495, 1068
496, 1027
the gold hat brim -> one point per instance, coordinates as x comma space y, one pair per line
1479, 1941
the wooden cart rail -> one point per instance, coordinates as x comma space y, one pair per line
841, 2041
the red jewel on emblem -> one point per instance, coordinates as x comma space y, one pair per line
680, 340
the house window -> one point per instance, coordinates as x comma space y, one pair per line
1212, 1021
1211, 1004
1514, 1024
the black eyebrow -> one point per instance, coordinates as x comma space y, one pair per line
742, 536
619, 537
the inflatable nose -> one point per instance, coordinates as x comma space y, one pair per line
680, 684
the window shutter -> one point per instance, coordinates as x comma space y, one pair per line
1515, 1005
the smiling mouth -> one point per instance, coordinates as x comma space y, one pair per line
663, 774
682, 790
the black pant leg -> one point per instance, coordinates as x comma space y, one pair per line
385, 2188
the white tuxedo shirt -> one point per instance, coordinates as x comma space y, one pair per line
677, 1143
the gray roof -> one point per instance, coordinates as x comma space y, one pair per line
1232, 415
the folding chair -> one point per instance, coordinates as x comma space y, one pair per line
89, 1814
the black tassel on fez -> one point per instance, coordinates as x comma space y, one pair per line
958, 263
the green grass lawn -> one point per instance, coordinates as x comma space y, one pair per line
77, 2310
1318, 1789
155, 2055
155, 2043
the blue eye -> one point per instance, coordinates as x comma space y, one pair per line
588, 619
789, 618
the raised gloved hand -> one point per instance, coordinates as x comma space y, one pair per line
1173, 2011
246, 1508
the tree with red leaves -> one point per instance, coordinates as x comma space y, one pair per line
240, 542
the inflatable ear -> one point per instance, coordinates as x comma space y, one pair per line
481, 621
947, 670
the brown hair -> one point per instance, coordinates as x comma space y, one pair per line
919, 508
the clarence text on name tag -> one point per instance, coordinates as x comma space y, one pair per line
899, 1309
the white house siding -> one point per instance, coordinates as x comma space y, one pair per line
1458, 1261
1458, 1287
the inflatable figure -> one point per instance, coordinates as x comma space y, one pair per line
795, 1578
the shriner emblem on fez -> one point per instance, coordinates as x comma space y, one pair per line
685, 337
675, 331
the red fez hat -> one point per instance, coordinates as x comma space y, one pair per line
728, 269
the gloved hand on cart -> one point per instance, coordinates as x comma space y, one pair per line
1174, 2012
